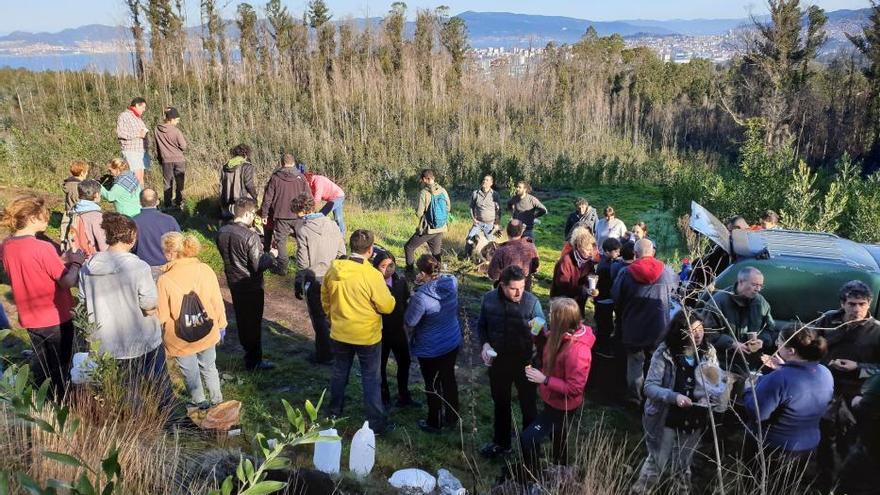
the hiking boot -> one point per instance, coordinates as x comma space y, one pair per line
425, 427
492, 450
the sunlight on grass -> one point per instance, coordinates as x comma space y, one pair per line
296, 379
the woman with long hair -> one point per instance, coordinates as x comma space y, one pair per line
184, 274
393, 333
432, 317
677, 396
566, 362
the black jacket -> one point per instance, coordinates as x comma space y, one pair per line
285, 184
505, 324
243, 259
400, 290
857, 341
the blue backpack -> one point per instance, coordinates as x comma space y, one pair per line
438, 213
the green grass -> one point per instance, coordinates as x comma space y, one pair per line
296, 379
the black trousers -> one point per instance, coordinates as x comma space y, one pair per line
441, 389
394, 340
282, 228
552, 425
507, 371
320, 323
174, 175
434, 242
53, 350
248, 306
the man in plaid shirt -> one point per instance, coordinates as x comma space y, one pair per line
132, 134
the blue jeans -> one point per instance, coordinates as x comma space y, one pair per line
198, 366
485, 227
369, 357
335, 206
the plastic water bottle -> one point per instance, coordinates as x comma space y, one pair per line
363, 451
328, 453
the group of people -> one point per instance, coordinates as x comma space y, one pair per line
149, 298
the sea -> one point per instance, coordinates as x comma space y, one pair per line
101, 62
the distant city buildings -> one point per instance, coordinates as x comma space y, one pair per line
678, 49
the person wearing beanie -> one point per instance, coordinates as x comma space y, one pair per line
170, 146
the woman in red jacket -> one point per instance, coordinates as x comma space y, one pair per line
576, 263
566, 358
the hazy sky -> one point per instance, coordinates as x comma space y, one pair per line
54, 15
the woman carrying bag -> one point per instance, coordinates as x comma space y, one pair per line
678, 391
192, 314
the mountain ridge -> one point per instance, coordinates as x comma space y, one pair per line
484, 29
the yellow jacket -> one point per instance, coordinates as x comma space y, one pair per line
178, 278
355, 297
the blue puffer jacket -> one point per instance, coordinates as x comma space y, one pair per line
433, 316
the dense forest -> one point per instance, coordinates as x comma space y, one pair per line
370, 106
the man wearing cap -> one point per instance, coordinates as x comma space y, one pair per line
170, 145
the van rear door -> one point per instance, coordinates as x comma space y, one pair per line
705, 223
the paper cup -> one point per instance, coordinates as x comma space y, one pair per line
592, 280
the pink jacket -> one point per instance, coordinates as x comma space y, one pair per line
565, 390
324, 189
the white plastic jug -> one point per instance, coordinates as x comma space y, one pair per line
363, 451
83, 368
328, 453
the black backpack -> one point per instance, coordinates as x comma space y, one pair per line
193, 324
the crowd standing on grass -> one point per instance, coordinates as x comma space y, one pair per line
806, 396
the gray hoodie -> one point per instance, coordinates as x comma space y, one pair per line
318, 243
117, 288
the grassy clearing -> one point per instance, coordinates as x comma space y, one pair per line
287, 340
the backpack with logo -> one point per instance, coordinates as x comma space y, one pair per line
438, 212
193, 323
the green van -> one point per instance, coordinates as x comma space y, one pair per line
803, 271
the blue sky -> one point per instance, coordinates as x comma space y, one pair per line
54, 15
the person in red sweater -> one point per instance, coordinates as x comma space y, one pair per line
575, 265
566, 365
41, 282
517, 251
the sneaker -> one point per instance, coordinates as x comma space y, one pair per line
425, 427
492, 450
263, 365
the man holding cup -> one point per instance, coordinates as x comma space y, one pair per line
743, 323
508, 317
